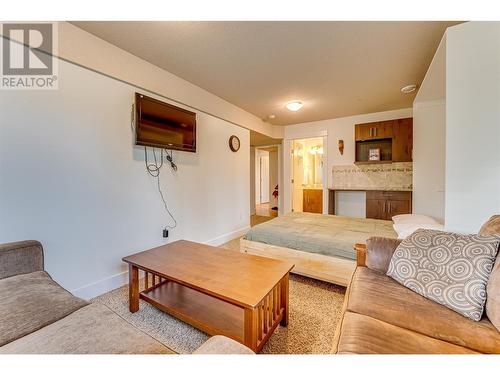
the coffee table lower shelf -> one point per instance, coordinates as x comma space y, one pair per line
207, 313
252, 326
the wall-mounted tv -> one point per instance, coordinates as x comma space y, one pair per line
163, 125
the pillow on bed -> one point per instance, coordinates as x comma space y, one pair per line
414, 219
404, 230
448, 268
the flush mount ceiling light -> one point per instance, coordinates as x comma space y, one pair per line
294, 106
408, 89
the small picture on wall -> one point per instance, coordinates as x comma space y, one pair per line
374, 154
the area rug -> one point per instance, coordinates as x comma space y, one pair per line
315, 308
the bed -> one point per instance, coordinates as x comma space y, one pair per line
321, 246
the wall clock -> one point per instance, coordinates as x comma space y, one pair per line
234, 143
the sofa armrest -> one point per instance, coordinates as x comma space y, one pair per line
360, 254
379, 252
222, 345
17, 258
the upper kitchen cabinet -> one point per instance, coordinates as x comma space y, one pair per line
402, 141
374, 130
384, 141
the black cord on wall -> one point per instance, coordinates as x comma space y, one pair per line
154, 170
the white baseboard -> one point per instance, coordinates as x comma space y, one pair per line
227, 237
97, 288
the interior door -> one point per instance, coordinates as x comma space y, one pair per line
264, 179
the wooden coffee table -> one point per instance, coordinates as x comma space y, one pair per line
219, 291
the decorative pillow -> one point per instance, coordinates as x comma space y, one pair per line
448, 268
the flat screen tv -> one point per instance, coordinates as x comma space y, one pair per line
162, 125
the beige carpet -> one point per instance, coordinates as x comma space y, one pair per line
315, 308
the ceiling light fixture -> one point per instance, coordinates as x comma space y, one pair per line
294, 106
408, 89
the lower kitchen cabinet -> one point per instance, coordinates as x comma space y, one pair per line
384, 205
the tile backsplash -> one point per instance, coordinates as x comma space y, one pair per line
391, 176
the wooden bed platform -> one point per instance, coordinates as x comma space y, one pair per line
317, 266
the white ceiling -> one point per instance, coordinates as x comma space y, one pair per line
335, 68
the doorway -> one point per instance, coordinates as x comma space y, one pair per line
266, 181
262, 183
266, 174
264, 177
307, 172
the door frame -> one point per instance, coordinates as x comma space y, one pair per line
287, 168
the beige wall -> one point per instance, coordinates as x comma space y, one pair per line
472, 125
456, 129
72, 178
429, 158
429, 144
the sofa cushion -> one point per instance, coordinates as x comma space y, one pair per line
30, 302
94, 329
362, 334
448, 268
377, 295
493, 295
379, 251
492, 227
222, 345
21, 257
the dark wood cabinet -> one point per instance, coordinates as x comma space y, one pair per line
398, 207
363, 132
402, 141
384, 205
312, 200
375, 208
394, 138
373, 130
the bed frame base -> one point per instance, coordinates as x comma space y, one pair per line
321, 267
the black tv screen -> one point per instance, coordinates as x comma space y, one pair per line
162, 125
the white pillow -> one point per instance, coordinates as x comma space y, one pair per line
404, 230
413, 219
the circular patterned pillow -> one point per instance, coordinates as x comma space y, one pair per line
448, 268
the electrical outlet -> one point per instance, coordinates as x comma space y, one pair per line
165, 233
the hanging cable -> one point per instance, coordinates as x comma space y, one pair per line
170, 159
153, 170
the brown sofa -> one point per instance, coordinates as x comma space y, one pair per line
381, 316
38, 316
